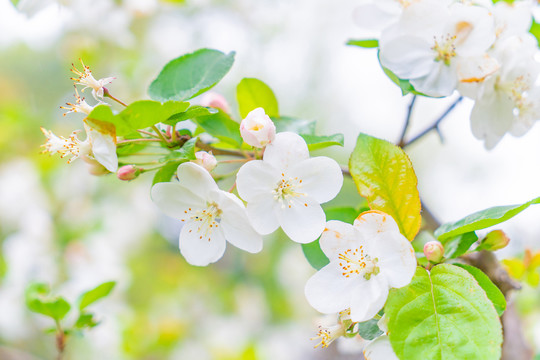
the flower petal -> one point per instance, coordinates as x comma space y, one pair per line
262, 215
337, 236
408, 57
368, 298
373, 222
286, 149
196, 178
174, 199
328, 291
199, 250
302, 219
321, 177
256, 178
380, 349
236, 226
103, 148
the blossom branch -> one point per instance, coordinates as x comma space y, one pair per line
401, 141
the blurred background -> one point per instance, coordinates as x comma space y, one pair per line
62, 226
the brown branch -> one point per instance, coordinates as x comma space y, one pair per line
401, 141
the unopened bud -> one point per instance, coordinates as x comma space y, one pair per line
216, 101
495, 240
434, 251
206, 160
257, 129
128, 172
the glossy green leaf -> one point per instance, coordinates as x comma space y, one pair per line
535, 31
85, 320
40, 300
492, 291
312, 251
96, 294
384, 175
145, 113
459, 245
365, 43
443, 314
191, 113
221, 126
165, 173
481, 220
253, 93
369, 330
299, 126
190, 75
316, 142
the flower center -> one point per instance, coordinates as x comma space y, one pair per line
287, 189
356, 261
207, 219
70, 146
328, 334
444, 48
81, 106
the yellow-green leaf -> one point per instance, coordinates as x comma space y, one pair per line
384, 175
253, 93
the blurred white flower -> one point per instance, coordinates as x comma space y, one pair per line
88, 81
257, 129
435, 45
206, 160
380, 349
366, 260
100, 144
287, 187
81, 106
327, 334
512, 19
378, 14
211, 216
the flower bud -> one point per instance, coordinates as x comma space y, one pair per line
257, 129
128, 172
495, 240
206, 160
216, 101
434, 251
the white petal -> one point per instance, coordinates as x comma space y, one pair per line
321, 177
328, 291
408, 57
197, 251
262, 215
380, 349
397, 260
236, 226
174, 199
103, 148
491, 117
376, 15
441, 81
476, 69
196, 178
256, 178
338, 236
302, 219
286, 149
368, 298
474, 28
373, 222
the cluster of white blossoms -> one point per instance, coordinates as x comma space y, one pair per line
99, 148
481, 49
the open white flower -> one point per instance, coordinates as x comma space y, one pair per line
287, 187
100, 144
435, 45
88, 81
210, 216
380, 349
81, 106
366, 260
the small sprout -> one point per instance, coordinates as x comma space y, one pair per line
495, 240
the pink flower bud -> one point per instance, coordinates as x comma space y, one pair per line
206, 160
216, 101
434, 251
257, 129
495, 240
128, 172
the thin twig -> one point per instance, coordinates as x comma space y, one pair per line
401, 141
207, 148
134, 141
160, 134
148, 133
108, 94
435, 125
345, 171
60, 341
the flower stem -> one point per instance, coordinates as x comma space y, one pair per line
148, 133
134, 141
160, 134
108, 94
60, 341
215, 151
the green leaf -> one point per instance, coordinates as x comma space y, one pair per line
253, 93
535, 31
190, 75
312, 251
443, 314
221, 126
166, 173
96, 294
145, 113
85, 320
369, 330
384, 175
316, 142
186, 152
482, 219
459, 245
492, 291
299, 126
365, 43
39, 300
191, 113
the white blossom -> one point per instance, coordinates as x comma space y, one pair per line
380, 349
206, 160
366, 260
210, 216
88, 81
257, 129
287, 187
